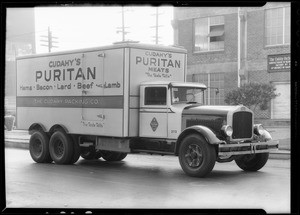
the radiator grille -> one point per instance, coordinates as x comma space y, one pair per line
242, 125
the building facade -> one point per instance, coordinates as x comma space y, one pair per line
230, 46
20, 40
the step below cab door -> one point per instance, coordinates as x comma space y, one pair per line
153, 111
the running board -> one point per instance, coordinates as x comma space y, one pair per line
152, 152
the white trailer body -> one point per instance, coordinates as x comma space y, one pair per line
92, 91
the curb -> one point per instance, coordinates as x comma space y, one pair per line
280, 155
17, 143
24, 144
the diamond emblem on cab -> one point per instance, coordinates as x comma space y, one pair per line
154, 124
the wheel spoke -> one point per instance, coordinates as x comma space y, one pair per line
187, 155
198, 151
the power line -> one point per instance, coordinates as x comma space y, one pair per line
20, 35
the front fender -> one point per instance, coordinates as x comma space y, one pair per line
206, 132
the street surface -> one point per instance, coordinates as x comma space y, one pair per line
143, 181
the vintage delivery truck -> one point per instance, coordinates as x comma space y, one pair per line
130, 98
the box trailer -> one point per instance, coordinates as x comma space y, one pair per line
130, 98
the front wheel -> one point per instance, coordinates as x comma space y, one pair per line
252, 162
196, 157
88, 153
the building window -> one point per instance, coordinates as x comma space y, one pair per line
277, 26
212, 81
155, 96
209, 34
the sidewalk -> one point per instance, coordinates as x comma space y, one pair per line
20, 139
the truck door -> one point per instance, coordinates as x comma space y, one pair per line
92, 96
153, 111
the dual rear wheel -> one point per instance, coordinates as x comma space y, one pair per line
60, 148
64, 149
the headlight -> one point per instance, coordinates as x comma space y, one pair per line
227, 129
259, 129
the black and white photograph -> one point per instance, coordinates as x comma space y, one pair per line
148, 107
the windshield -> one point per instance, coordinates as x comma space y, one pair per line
187, 95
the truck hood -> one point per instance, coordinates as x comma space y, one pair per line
208, 110
196, 109
213, 117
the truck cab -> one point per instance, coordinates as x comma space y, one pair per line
161, 106
174, 119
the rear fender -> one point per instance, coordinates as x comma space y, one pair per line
36, 127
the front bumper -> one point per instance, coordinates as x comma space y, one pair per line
248, 148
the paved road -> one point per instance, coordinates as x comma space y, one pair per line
143, 181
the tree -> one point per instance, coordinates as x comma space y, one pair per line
252, 95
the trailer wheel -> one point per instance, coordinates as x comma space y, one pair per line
39, 147
61, 148
196, 157
113, 156
252, 162
88, 153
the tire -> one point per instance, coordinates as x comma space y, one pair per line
196, 157
61, 148
252, 162
98, 155
122, 156
39, 147
113, 156
76, 153
88, 153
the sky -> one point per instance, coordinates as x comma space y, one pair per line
84, 27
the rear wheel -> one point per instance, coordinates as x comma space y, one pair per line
88, 153
61, 148
98, 155
39, 147
76, 152
122, 156
113, 156
196, 157
252, 162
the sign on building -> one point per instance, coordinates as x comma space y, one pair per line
279, 63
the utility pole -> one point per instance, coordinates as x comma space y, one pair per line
242, 47
49, 40
122, 28
156, 25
